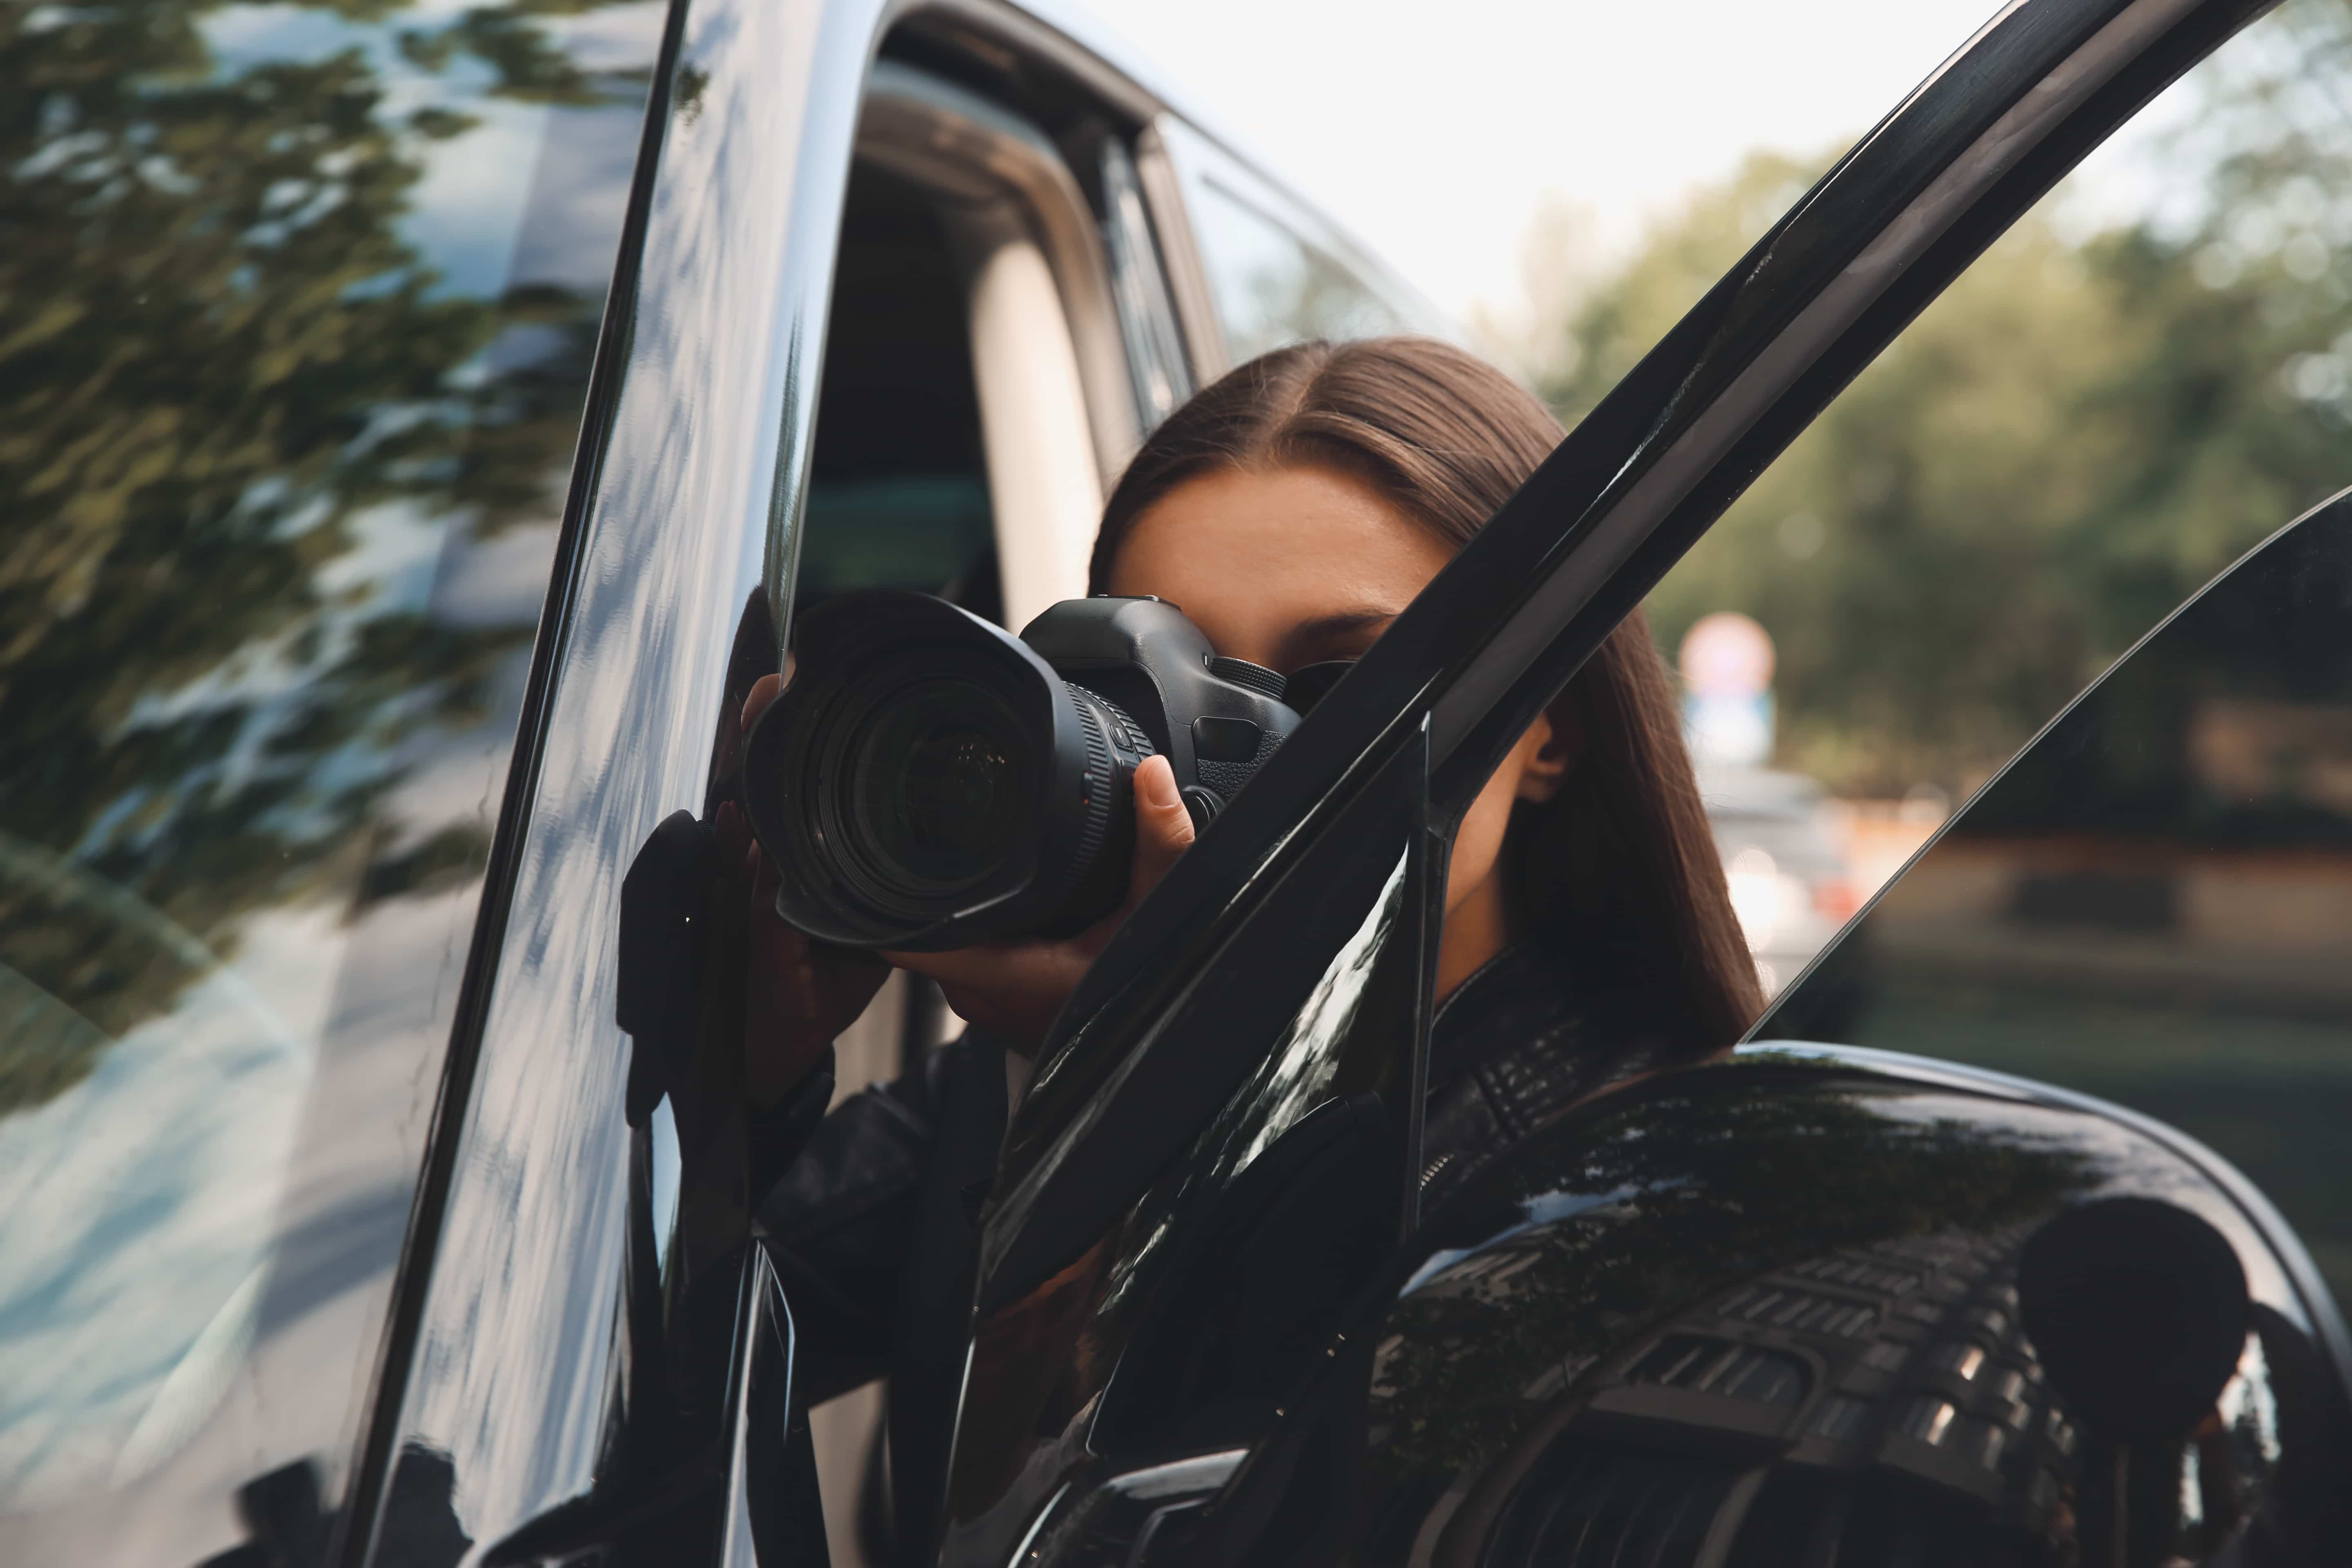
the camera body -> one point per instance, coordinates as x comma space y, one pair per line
929, 782
1215, 719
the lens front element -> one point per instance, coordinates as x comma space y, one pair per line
938, 787
928, 781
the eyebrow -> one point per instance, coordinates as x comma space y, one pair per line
1324, 629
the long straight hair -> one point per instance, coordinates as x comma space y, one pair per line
1621, 858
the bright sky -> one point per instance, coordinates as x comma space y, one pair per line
1437, 129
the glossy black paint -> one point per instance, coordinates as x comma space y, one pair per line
773, 1514
1814, 1306
385, 1447
1042, 1364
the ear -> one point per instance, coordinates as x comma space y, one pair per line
1556, 740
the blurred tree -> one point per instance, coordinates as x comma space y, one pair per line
2079, 434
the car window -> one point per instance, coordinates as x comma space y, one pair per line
1191, 1013
303, 303
1146, 308
2138, 383
2154, 902
1273, 284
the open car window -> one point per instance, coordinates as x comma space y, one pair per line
1264, 1009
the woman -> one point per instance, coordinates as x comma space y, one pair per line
1292, 510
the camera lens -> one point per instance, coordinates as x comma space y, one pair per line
927, 780
936, 787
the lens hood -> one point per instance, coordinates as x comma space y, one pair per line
926, 781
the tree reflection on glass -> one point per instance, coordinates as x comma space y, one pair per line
296, 305
225, 377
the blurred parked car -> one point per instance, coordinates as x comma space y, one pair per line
1790, 882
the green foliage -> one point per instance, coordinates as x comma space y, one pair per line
2074, 438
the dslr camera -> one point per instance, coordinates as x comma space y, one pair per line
929, 780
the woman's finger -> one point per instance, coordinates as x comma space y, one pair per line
1017, 988
1011, 988
755, 701
1163, 828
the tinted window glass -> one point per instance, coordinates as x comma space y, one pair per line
300, 304
1272, 286
2153, 903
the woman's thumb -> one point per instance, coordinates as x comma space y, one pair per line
1163, 828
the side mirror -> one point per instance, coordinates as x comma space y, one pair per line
1820, 1307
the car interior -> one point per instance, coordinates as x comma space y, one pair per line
899, 497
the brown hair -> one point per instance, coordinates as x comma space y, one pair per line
1622, 855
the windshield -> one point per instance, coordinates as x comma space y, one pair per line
299, 308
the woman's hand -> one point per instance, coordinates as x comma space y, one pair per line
1014, 989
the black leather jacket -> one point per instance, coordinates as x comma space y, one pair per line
1529, 1035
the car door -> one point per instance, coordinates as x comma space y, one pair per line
1282, 969
917, 361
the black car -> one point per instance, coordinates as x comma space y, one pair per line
422, 426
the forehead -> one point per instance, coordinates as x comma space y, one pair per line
1250, 554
